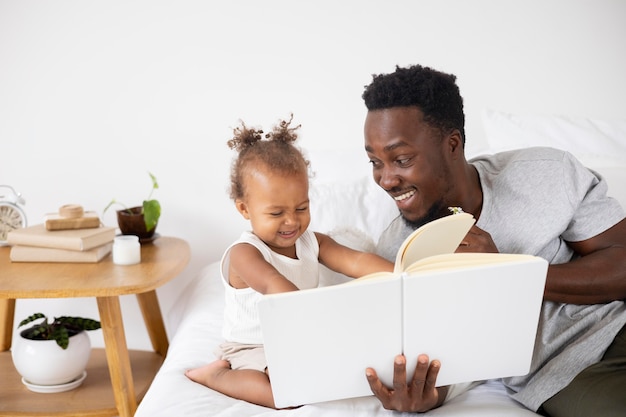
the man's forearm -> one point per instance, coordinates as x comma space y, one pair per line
599, 277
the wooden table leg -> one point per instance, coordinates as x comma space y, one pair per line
117, 355
7, 314
149, 304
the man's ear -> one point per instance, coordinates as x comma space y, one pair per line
242, 208
455, 143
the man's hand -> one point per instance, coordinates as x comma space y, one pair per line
477, 240
419, 395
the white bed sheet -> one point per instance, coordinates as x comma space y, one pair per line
200, 319
342, 179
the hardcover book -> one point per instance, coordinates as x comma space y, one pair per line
71, 239
475, 312
21, 253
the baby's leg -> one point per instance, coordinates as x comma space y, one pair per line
243, 384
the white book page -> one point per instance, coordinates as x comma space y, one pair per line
437, 237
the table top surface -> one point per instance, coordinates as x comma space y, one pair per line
161, 260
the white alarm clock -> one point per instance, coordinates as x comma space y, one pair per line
11, 214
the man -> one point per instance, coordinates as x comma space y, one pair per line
537, 201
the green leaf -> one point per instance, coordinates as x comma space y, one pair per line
114, 201
151, 213
151, 207
155, 184
34, 317
76, 323
37, 332
59, 330
61, 336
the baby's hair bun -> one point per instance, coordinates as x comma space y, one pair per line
245, 137
283, 132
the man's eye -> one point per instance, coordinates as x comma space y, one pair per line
302, 208
403, 161
276, 214
375, 164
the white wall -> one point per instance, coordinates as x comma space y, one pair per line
93, 94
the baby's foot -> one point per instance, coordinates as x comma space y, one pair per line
206, 373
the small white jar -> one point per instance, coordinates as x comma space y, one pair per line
126, 250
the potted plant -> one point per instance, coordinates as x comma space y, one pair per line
141, 220
53, 353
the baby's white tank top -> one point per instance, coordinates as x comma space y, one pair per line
241, 318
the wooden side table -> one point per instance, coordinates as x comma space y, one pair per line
161, 261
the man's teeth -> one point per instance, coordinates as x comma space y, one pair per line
404, 196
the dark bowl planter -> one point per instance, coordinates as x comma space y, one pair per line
131, 222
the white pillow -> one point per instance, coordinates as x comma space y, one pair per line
344, 195
598, 144
579, 136
358, 205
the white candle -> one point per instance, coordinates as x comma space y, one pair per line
126, 250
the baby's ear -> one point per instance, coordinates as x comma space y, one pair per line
242, 208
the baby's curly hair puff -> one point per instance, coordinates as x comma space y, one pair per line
244, 137
283, 132
273, 151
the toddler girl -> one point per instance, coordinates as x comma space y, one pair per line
270, 188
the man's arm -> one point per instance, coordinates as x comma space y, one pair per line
598, 276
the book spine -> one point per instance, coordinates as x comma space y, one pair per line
39, 254
55, 239
91, 242
45, 241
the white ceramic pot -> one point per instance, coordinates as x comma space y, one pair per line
43, 362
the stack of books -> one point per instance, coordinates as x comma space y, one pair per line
39, 244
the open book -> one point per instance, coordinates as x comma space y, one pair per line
475, 312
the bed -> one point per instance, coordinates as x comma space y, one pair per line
197, 316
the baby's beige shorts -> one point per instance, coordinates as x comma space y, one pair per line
242, 356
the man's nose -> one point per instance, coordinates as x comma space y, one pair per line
388, 178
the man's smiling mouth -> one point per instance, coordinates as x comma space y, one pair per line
404, 196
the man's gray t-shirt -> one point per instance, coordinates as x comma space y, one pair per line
534, 200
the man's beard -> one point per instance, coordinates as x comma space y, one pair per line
436, 211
